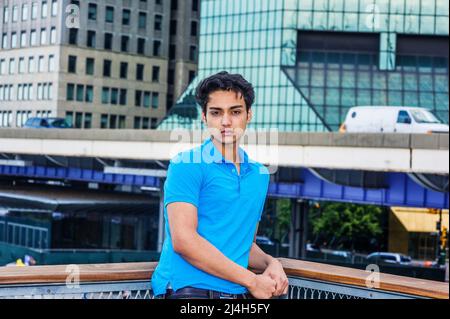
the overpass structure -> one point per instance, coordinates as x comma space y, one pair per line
382, 169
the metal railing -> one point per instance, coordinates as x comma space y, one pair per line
307, 280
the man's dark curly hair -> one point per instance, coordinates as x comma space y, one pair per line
224, 81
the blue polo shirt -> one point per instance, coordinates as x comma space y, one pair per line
229, 206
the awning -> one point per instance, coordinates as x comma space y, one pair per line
419, 220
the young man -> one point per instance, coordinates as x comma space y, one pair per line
214, 198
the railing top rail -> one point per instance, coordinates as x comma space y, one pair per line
357, 277
295, 268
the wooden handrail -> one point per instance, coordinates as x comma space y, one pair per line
294, 268
357, 277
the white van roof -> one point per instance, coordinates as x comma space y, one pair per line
390, 107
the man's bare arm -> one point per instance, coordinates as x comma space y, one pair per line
202, 254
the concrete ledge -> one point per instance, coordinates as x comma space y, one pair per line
377, 140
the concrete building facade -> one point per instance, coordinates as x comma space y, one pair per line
99, 64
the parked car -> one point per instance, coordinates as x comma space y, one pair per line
388, 258
46, 122
264, 240
392, 119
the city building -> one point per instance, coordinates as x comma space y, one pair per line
310, 61
99, 64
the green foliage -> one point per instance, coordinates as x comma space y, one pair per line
283, 219
346, 225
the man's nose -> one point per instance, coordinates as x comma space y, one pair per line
226, 120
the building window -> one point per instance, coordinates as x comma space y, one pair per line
157, 48
145, 122
114, 96
137, 98
5, 14
33, 37
73, 36
12, 66
23, 39
125, 40
78, 119
91, 42
43, 36
34, 10
193, 53
89, 94
141, 46
109, 17
123, 97
70, 92
105, 95
122, 120
155, 74
104, 121
173, 27
90, 63
4, 41
54, 8
44, 9
41, 64
80, 92
126, 13
15, 14
142, 20
108, 41
194, 27
112, 121
174, 5
51, 63
155, 100
172, 51
195, 5
24, 12
158, 22
87, 120
154, 123
107, 68
72, 64
123, 70
140, 72
14, 40
53, 35
147, 96
137, 122
92, 11
21, 65
31, 65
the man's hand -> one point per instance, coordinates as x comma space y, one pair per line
276, 272
262, 287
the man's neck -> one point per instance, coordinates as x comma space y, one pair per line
229, 151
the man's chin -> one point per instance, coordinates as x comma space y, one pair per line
226, 139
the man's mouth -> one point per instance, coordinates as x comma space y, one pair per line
226, 132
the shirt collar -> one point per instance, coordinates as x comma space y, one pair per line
212, 154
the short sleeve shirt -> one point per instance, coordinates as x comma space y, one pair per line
229, 205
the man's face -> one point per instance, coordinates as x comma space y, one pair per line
226, 116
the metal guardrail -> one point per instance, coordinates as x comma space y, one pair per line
132, 281
299, 288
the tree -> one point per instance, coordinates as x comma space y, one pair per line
347, 226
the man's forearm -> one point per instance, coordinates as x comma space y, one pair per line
203, 255
259, 260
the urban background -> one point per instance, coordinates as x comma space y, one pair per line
121, 70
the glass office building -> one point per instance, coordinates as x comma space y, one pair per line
310, 61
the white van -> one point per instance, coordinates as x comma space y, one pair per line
392, 119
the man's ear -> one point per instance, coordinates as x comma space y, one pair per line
204, 118
249, 115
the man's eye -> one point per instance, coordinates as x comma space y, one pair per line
237, 112
214, 113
